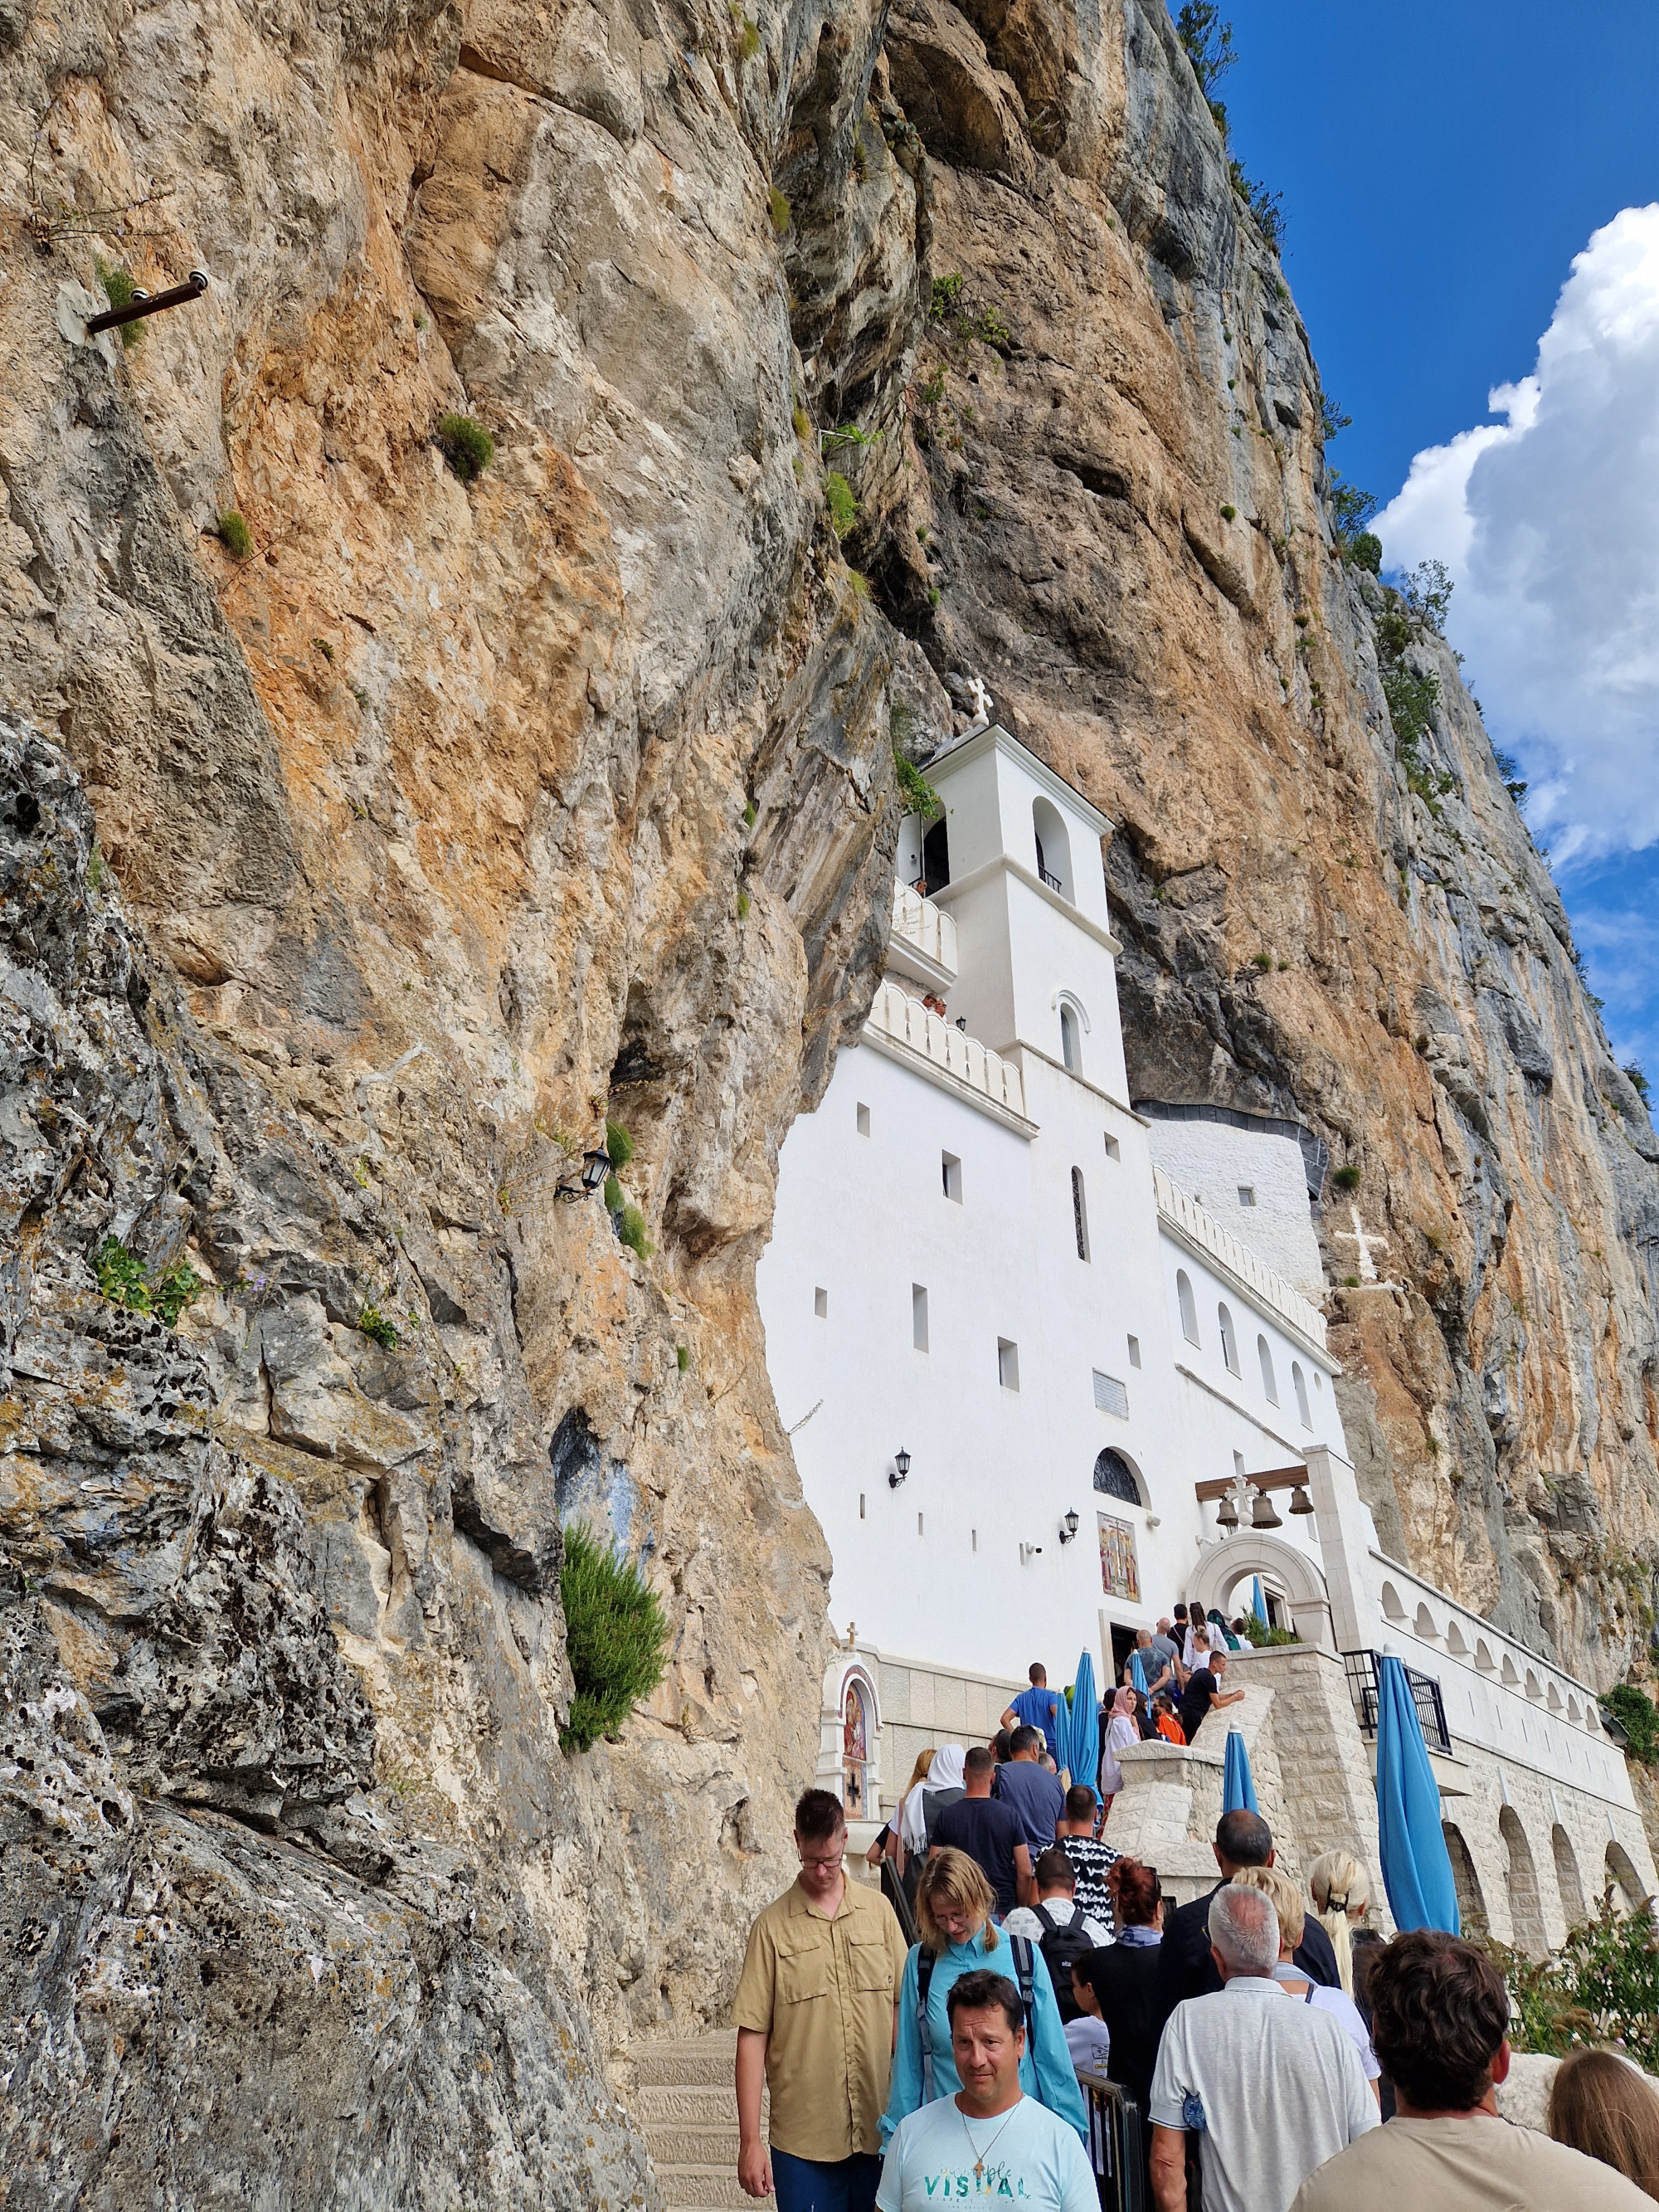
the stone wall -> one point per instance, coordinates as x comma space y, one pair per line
923, 1705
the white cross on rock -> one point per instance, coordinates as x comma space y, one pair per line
1363, 1240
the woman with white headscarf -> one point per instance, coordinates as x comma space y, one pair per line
1122, 1731
923, 1805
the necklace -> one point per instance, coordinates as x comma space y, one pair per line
981, 2156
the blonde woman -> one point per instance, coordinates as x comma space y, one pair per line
959, 1936
1341, 1893
1286, 1901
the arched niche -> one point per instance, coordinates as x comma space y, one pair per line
1485, 1663
1053, 848
1567, 1876
1188, 1305
1222, 1567
1455, 1641
1525, 1910
1424, 1626
1629, 1890
857, 1710
1391, 1604
1471, 1905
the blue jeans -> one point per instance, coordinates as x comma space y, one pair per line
823, 2184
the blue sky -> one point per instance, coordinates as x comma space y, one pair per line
1442, 165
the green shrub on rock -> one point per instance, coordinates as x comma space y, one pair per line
467, 446
615, 1636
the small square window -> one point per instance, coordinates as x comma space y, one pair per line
1113, 1150
1007, 1363
1246, 1194
1134, 1352
951, 1170
864, 1120
918, 1317
821, 1305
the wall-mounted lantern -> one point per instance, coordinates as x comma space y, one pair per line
1068, 1529
900, 1468
596, 1166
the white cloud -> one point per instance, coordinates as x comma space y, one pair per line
1549, 521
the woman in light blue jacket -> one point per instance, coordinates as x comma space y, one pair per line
958, 1936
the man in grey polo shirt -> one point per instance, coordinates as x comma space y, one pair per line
1271, 2087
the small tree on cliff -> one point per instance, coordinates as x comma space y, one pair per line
1209, 44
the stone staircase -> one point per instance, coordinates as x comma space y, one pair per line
688, 2108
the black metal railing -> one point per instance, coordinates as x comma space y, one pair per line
893, 1890
1361, 1668
1052, 882
1114, 2143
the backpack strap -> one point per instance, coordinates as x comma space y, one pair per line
924, 1983
1025, 1977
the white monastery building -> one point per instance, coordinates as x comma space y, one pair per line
1024, 1335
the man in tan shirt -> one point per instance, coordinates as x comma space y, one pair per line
1439, 2017
816, 2011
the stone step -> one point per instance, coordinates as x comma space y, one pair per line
700, 2104
706, 2060
705, 2145
706, 2189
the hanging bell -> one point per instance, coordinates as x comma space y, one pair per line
1261, 1513
1300, 1501
1227, 1518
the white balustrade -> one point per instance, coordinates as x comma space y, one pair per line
897, 1017
1187, 1215
925, 928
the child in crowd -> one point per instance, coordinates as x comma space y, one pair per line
1164, 1715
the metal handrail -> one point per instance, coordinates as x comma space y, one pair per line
1115, 2148
893, 1890
1363, 1670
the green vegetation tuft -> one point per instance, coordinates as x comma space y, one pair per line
918, 794
1268, 207
749, 814
947, 291
1257, 1633
744, 904
842, 505
615, 1636
1347, 1178
467, 446
779, 206
124, 1280
1332, 420
614, 1200
802, 423
749, 39
1209, 44
235, 536
119, 284
1365, 552
1230, 515
632, 1232
1635, 1710
1636, 1076
1263, 960
1351, 509
682, 1357
1509, 769
618, 1144
1601, 1987
373, 1324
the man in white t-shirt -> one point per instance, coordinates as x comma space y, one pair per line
989, 2142
1271, 2089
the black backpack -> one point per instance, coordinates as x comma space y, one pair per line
1062, 1946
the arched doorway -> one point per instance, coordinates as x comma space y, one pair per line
1471, 1905
1222, 1567
1525, 1911
1567, 1876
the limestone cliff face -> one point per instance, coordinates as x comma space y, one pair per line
348, 886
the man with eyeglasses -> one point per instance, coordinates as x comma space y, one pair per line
816, 2012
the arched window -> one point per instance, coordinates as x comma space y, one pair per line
1115, 1477
1079, 1214
936, 859
1053, 847
1269, 1380
1071, 1043
1229, 1343
1300, 1381
1188, 1310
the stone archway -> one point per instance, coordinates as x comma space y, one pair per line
1566, 1876
1526, 1912
1221, 1567
1471, 1905
1629, 1890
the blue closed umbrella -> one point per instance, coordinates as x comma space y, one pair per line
1258, 1603
1078, 1730
1416, 1865
1237, 1783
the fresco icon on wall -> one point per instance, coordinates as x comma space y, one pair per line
1119, 1572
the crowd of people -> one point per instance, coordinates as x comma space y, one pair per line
1279, 2053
